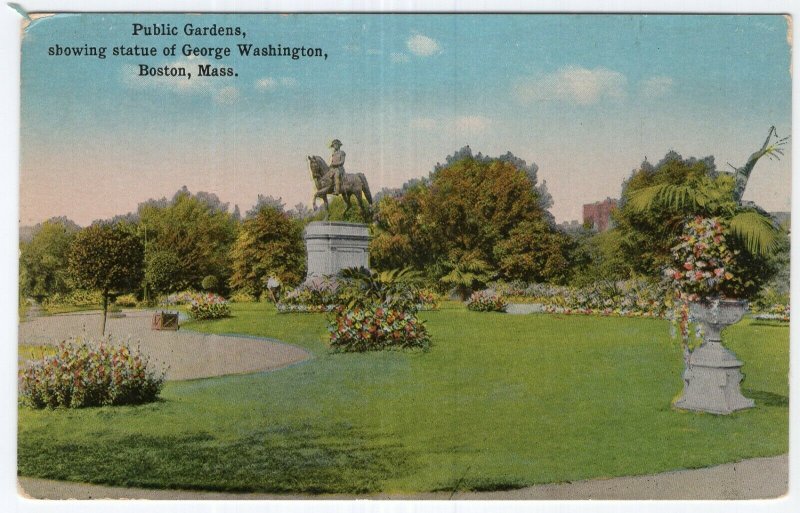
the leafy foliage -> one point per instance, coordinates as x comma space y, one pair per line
163, 270
397, 288
473, 211
106, 258
82, 374
269, 243
197, 229
658, 201
466, 275
210, 283
43, 258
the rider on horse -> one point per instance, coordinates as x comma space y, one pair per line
337, 165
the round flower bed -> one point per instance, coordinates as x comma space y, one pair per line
486, 301
373, 328
209, 306
88, 374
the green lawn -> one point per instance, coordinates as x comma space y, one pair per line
499, 402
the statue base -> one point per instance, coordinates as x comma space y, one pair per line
333, 246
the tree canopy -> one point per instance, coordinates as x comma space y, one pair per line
43, 258
106, 258
473, 212
269, 243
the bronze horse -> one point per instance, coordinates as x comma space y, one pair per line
353, 184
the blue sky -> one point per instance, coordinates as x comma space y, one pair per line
586, 97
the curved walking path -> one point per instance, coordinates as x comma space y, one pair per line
186, 354
758, 478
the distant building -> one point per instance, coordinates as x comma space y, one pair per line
598, 215
571, 226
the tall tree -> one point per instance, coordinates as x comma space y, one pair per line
108, 259
43, 259
269, 243
197, 229
462, 217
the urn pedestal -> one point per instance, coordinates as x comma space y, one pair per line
333, 246
712, 375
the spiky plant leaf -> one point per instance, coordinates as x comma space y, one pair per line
756, 230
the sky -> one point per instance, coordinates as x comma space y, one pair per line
586, 97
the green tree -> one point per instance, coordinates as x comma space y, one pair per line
162, 272
473, 209
658, 200
269, 243
197, 229
43, 259
108, 259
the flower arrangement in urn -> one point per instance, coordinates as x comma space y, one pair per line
704, 261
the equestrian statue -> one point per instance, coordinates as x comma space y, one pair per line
332, 179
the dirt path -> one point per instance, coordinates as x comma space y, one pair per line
759, 478
187, 354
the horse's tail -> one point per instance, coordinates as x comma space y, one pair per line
365, 187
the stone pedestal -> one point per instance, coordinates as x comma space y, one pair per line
712, 376
333, 246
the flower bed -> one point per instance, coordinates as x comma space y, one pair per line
88, 374
486, 301
628, 298
209, 306
375, 328
774, 313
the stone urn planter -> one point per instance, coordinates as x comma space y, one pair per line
712, 375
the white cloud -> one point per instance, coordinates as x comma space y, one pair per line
655, 87
472, 123
266, 84
272, 83
423, 123
573, 84
423, 46
399, 57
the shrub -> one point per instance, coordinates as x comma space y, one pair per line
84, 374
486, 301
242, 296
77, 297
209, 306
376, 327
317, 294
210, 282
126, 300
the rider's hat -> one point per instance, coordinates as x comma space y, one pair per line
335, 142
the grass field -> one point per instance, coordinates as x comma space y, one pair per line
499, 402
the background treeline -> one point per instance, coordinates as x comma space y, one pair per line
473, 220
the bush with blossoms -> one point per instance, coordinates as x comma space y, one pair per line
375, 327
82, 374
486, 301
209, 306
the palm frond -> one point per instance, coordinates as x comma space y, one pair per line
756, 230
666, 194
